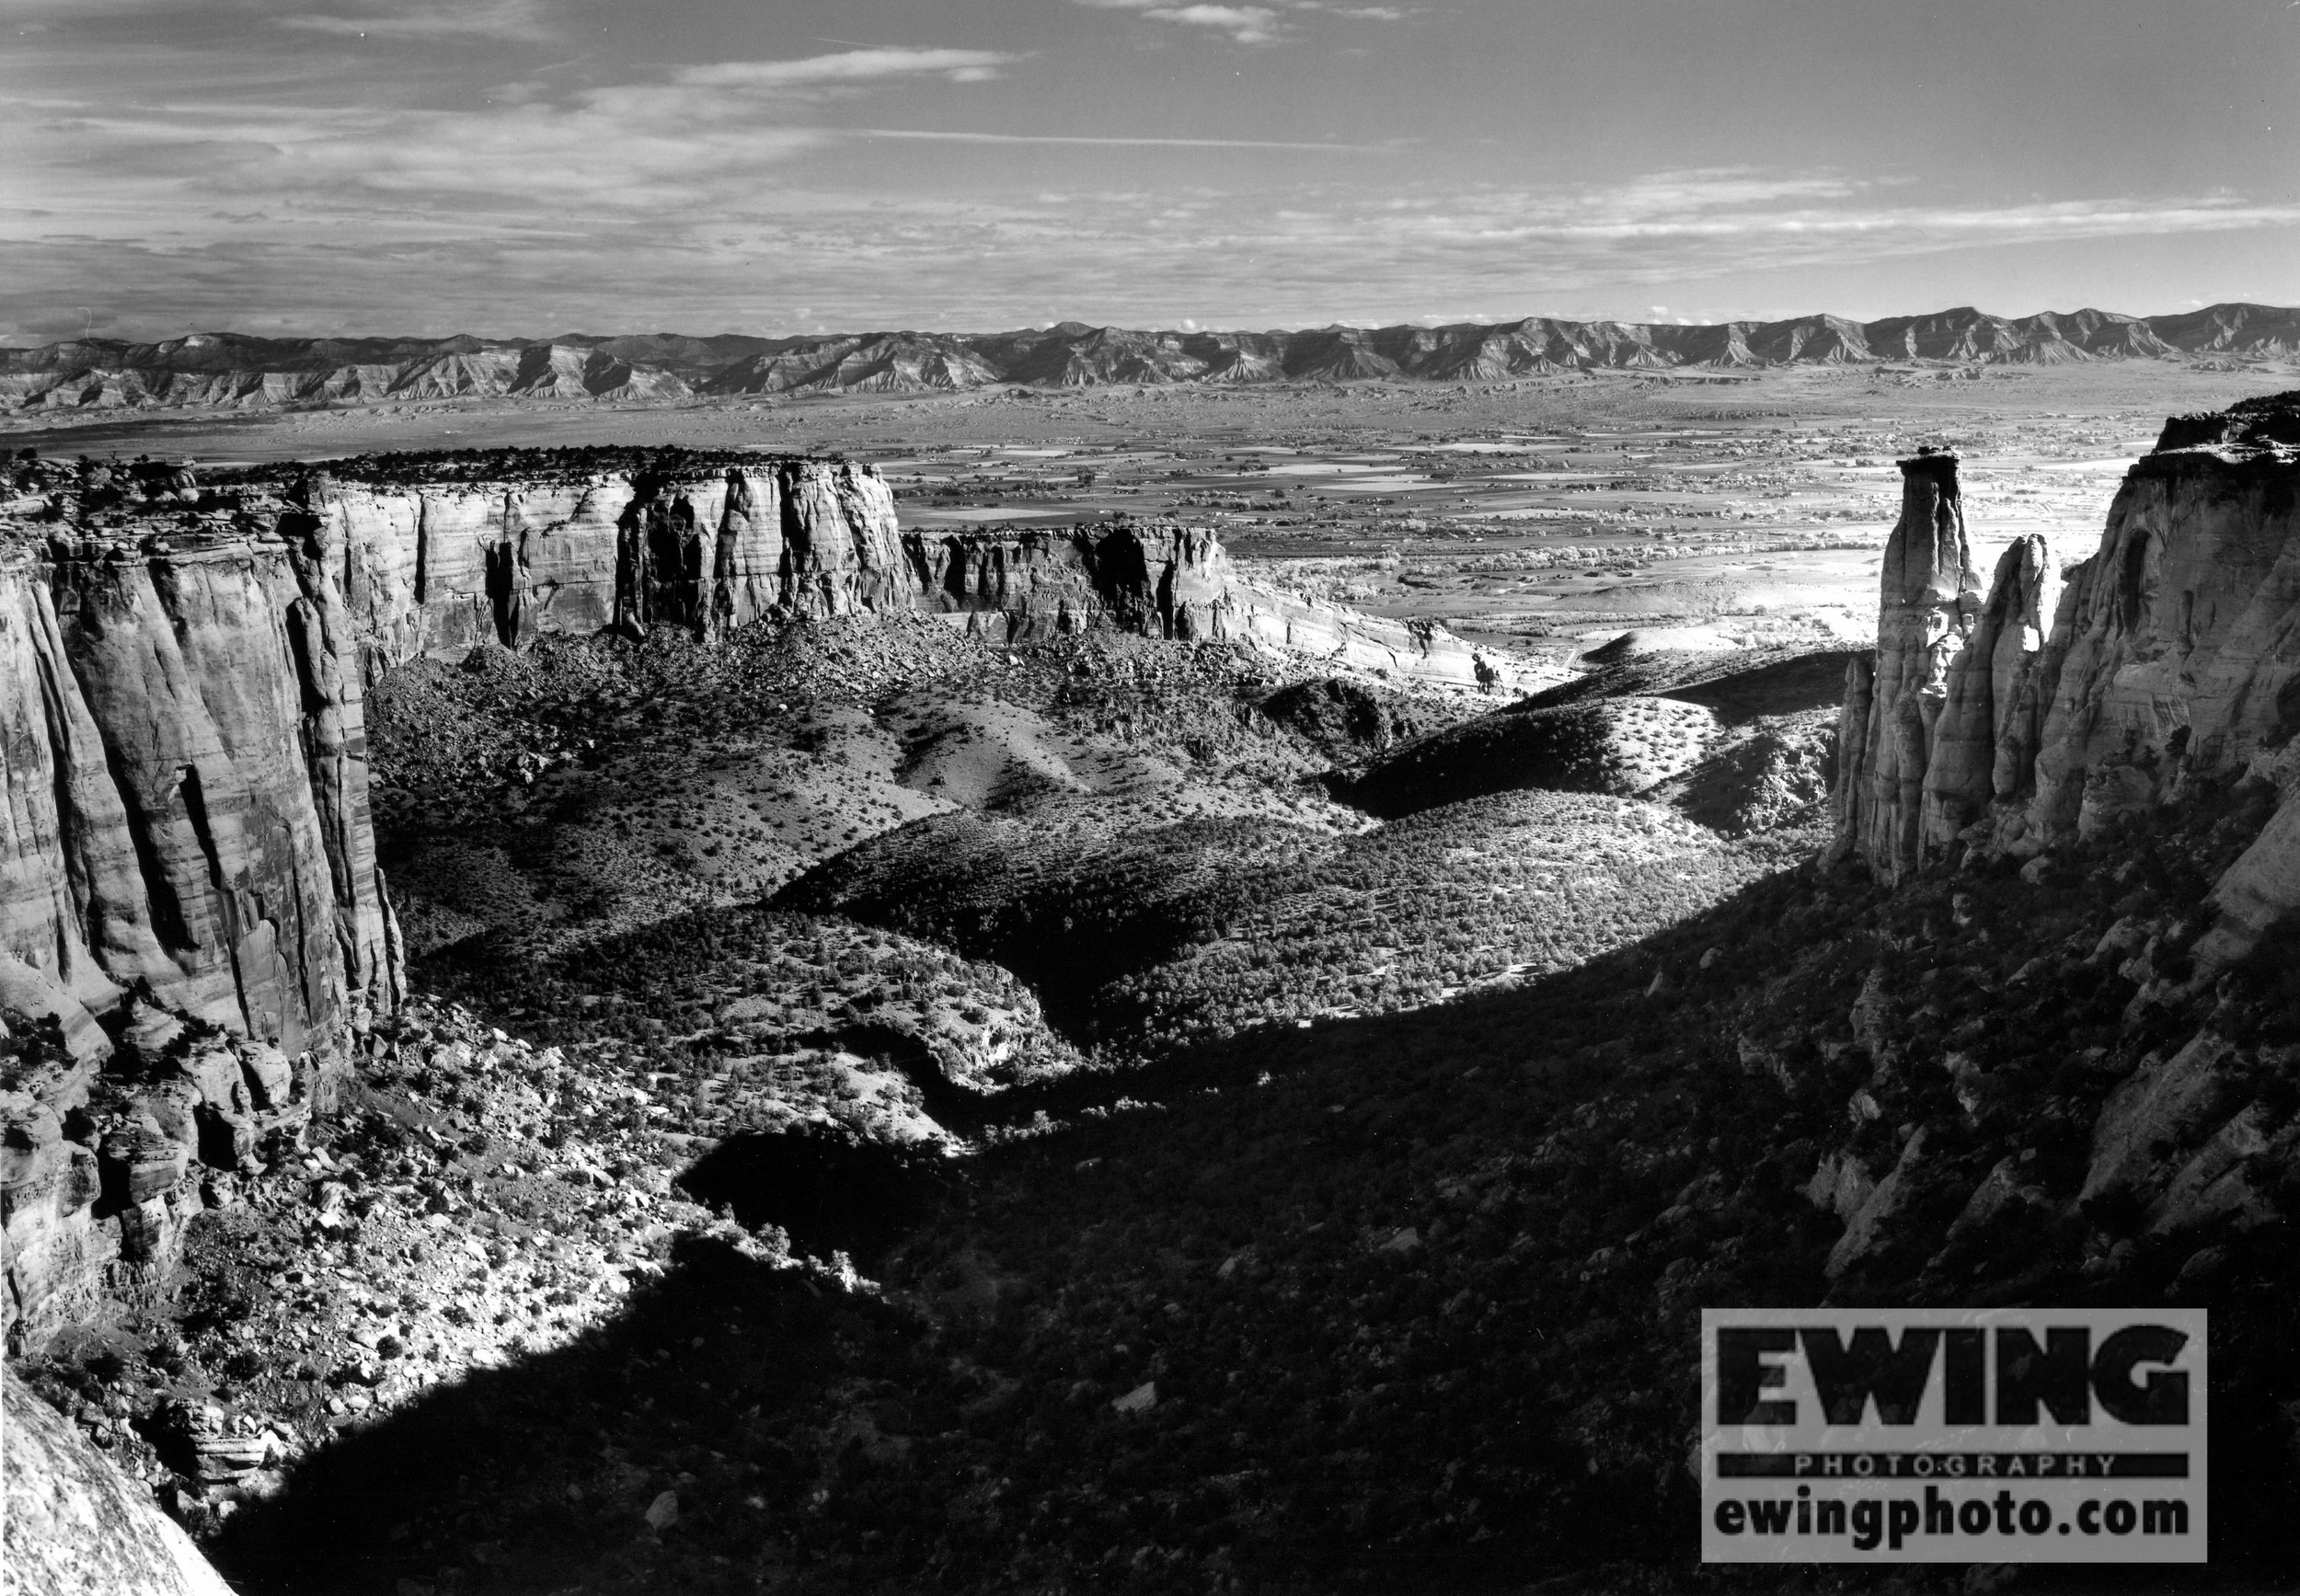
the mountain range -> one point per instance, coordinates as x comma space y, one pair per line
212, 370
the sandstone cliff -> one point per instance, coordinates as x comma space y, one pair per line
2173, 656
432, 568
185, 850
429, 555
184, 806
1163, 582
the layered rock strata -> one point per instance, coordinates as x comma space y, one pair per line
435, 568
432, 568
183, 787
1163, 582
185, 853
2173, 654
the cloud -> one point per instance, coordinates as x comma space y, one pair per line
681, 229
1245, 24
486, 18
699, 137
952, 136
848, 66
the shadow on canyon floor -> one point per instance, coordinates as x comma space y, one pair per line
1394, 1303
836, 1440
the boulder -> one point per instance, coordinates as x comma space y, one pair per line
1841, 1185
73, 1526
2164, 1107
2225, 1180
1874, 1225
30, 991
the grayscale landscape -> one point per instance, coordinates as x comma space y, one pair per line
1169, 950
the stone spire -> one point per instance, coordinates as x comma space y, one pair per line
1929, 600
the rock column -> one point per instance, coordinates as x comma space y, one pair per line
1984, 740
1930, 599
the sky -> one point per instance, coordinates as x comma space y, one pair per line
526, 167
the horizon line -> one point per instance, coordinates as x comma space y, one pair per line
1423, 324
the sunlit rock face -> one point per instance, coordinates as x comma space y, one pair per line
435, 568
75, 1526
2172, 656
2176, 648
1985, 740
1929, 606
186, 805
1162, 582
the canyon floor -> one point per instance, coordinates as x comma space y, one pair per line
889, 1112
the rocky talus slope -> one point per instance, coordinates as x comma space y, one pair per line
210, 370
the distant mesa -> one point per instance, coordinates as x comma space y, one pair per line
234, 371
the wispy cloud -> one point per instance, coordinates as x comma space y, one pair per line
226, 172
482, 18
1247, 24
676, 228
848, 66
960, 137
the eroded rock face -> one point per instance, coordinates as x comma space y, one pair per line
75, 1526
2173, 652
101, 1169
1170, 581
434, 568
1985, 737
2176, 649
186, 852
185, 803
1929, 605
1166, 582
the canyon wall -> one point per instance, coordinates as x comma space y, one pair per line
185, 807
433, 568
2172, 655
1165, 582
185, 850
